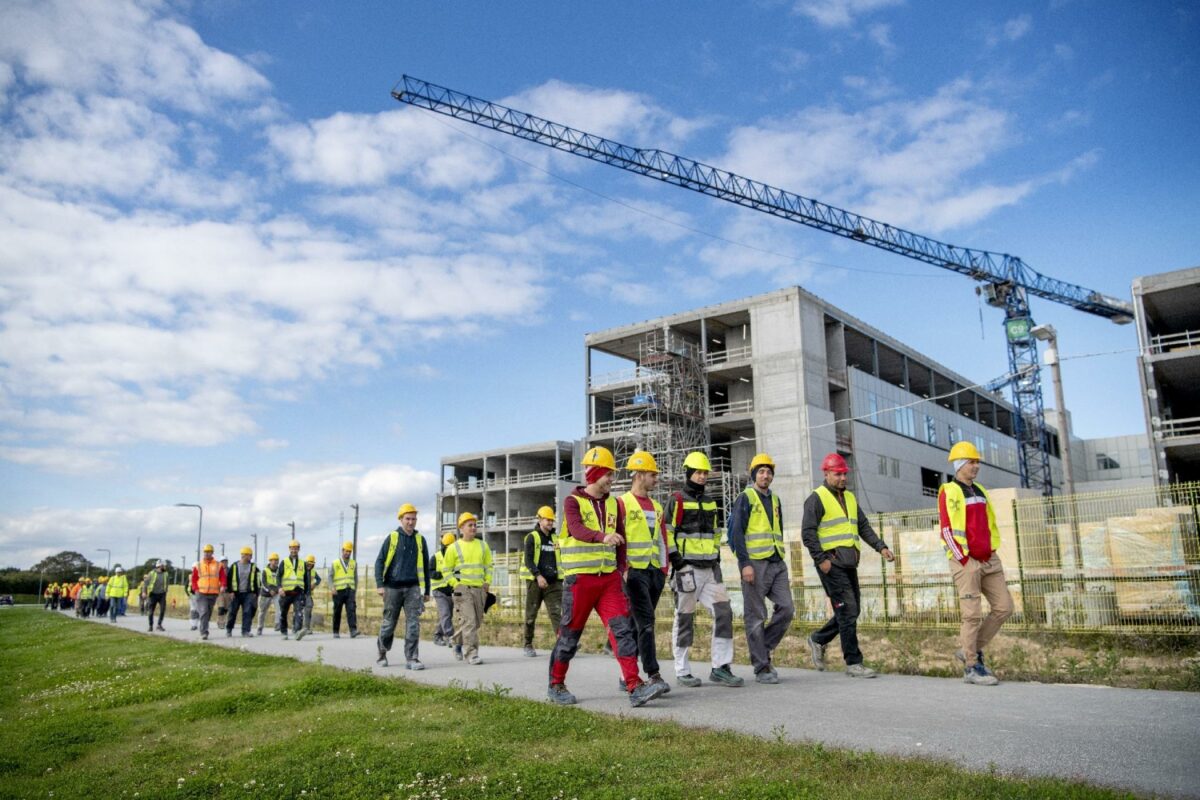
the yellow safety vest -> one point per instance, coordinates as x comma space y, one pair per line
838, 528
643, 547
293, 574
344, 575
394, 542
118, 586
696, 537
956, 509
439, 564
270, 577
469, 563
588, 558
764, 537
526, 575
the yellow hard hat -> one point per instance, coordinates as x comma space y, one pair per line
697, 460
407, 508
104, 579
294, 543
599, 457
208, 548
448, 538
466, 517
348, 545
310, 559
273, 557
964, 450
641, 461
546, 512
246, 551
761, 460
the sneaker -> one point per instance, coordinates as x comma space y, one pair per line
204, 636
229, 633
438, 640
557, 693
643, 693
458, 656
725, 677
657, 679
337, 636
768, 676
475, 661
414, 665
621, 687
285, 637
308, 631
354, 634
530, 652
818, 654
690, 681
979, 676
300, 635
195, 627
860, 671
260, 630
382, 659
160, 628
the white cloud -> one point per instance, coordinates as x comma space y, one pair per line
839, 13
881, 35
59, 460
1010, 31
271, 444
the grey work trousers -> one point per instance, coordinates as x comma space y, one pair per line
204, 607
770, 583
304, 607
409, 599
445, 616
468, 616
265, 603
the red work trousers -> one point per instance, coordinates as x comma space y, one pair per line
583, 594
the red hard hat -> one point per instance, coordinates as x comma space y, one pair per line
834, 463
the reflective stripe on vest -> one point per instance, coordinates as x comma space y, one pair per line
293, 574
344, 574
118, 586
696, 537
252, 586
838, 528
588, 558
270, 578
643, 547
764, 537
956, 510
394, 542
471, 571
526, 575
208, 577
439, 565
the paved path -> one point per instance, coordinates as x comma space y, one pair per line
1142, 740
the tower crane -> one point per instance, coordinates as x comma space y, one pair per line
1005, 281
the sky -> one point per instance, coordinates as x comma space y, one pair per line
235, 272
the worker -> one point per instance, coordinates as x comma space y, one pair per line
696, 563
243, 585
84, 607
468, 563
592, 558
76, 589
100, 597
647, 557
443, 594
971, 539
156, 583
117, 592
539, 570
193, 608
208, 581
268, 591
225, 598
345, 584
756, 537
833, 527
402, 577
292, 575
304, 608
50, 597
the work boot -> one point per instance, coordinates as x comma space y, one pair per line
458, 656
557, 693
438, 640
160, 628
415, 665
475, 660
300, 635
354, 634
962, 659
818, 654
979, 676
860, 671
768, 676
621, 687
204, 636
382, 660
260, 627
337, 636
689, 680
657, 680
725, 677
643, 693
530, 652
229, 633
308, 631
285, 637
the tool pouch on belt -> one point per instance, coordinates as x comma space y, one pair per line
685, 581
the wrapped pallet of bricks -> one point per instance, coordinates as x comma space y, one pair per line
1147, 554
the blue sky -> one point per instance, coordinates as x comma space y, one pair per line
235, 272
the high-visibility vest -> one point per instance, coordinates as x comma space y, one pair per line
764, 537
269, 578
643, 547
293, 574
394, 542
118, 586
208, 577
344, 575
85, 593
838, 528
470, 563
156, 582
439, 565
536, 533
696, 536
233, 576
588, 558
956, 510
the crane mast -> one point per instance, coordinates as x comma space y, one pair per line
1007, 281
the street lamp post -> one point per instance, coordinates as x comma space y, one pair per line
200, 529
355, 537
254, 536
108, 560
1046, 333
292, 525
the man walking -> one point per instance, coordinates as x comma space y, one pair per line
401, 573
208, 581
243, 583
268, 591
696, 561
117, 592
292, 574
756, 536
833, 528
468, 563
592, 557
345, 583
972, 542
443, 594
156, 583
304, 608
539, 569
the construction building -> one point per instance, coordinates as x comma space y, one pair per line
1167, 313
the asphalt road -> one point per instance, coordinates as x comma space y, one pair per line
1142, 740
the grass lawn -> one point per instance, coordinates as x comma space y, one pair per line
89, 711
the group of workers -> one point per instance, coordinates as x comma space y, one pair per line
105, 596
614, 556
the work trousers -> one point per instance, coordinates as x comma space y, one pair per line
535, 598
344, 598
770, 583
709, 592
247, 603
583, 594
100, 606
841, 587
157, 600
204, 606
286, 603
409, 599
468, 616
116, 608
85, 608
445, 616
975, 580
643, 588
193, 611
304, 609
265, 603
